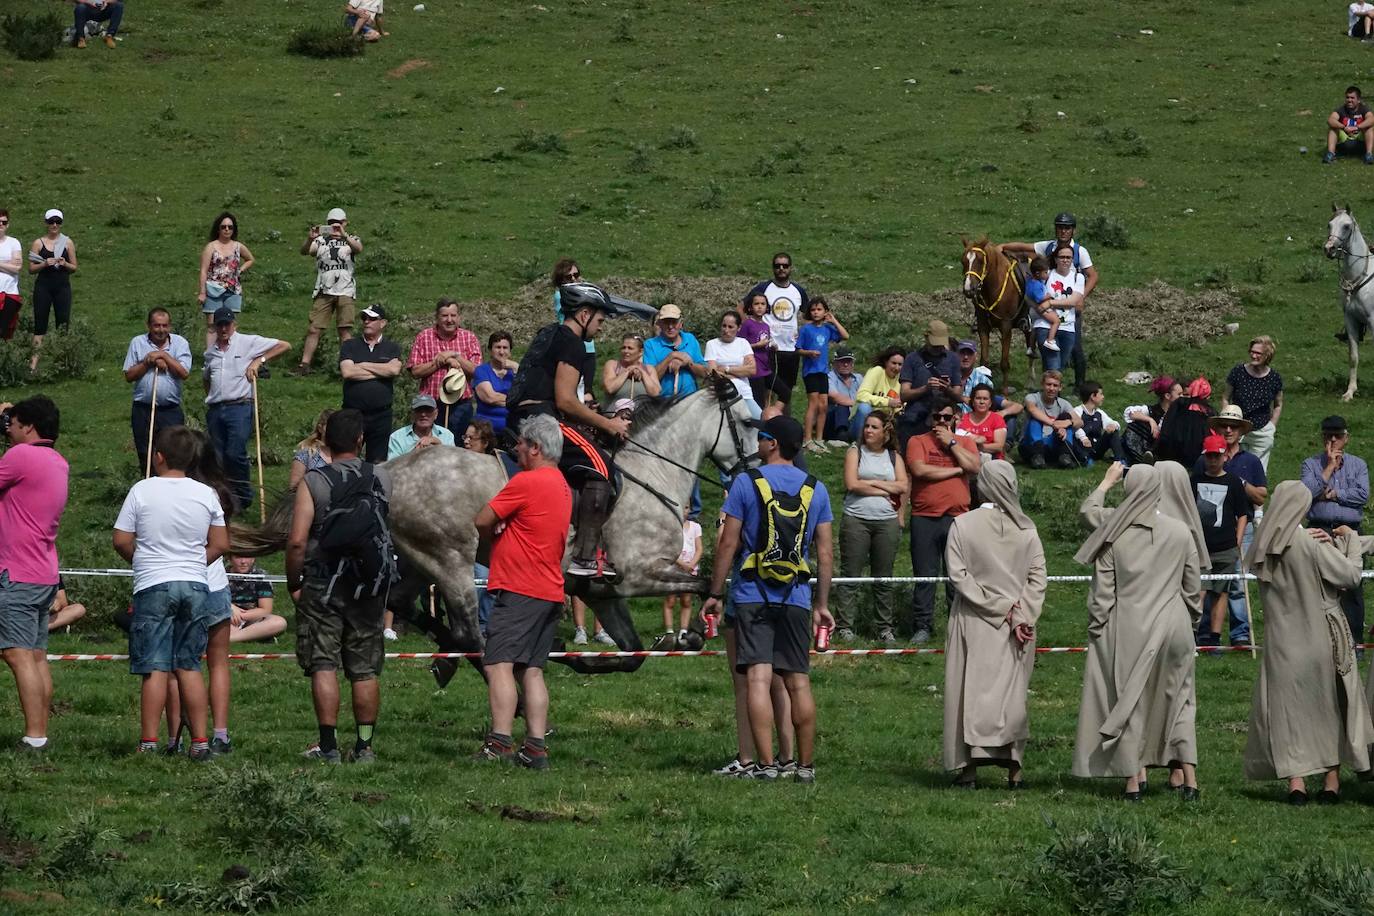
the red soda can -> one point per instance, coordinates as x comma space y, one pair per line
822, 638
710, 626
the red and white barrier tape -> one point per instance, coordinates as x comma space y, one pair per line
649, 653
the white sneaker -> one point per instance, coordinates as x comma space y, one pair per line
733, 769
1052, 345
836, 443
390, 635
580, 636
604, 638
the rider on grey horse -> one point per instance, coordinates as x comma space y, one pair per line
547, 383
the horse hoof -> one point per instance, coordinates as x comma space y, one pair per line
1348, 396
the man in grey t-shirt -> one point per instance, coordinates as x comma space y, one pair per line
1050, 421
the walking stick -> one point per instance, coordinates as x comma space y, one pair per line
152, 415
1249, 614
257, 443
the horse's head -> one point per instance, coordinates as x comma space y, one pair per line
975, 263
1339, 231
736, 443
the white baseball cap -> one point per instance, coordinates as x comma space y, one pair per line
54, 212
336, 213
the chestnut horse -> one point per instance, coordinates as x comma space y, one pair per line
994, 285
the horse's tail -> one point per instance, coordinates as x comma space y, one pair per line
271, 536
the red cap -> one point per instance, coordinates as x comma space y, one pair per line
1214, 445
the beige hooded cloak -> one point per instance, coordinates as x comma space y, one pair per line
997, 568
1309, 712
1138, 705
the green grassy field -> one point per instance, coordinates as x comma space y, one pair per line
665, 141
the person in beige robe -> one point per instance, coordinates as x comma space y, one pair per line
997, 568
1309, 713
1138, 706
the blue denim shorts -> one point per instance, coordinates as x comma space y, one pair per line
218, 608
169, 629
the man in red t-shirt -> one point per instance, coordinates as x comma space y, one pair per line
941, 465
527, 527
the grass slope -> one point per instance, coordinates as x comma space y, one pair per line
658, 140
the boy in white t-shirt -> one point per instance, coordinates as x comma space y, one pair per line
170, 527
367, 18
1099, 433
1360, 20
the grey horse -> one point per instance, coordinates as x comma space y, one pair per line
436, 493
1344, 240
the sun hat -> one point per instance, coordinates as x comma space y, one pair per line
1232, 415
336, 213
54, 213
453, 387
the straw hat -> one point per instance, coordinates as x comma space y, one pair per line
1231, 415
454, 385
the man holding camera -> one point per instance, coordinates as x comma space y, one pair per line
33, 493
335, 287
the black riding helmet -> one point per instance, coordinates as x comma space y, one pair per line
574, 296
1065, 219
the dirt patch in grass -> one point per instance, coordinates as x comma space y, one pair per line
410, 66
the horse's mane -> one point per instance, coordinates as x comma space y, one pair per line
649, 409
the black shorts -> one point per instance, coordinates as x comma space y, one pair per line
521, 629
759, 384
777, 636
785, 366
816, 383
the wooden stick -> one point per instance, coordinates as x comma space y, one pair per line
152, 415
257, 442
1250, 614
432, 612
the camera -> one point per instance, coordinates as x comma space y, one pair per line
4, 422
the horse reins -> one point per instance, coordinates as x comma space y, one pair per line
1347, 286
1008, 276
726, 418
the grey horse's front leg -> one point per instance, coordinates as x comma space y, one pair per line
1353, 325
614, 615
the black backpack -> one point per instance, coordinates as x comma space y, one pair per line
532, 363
354, 540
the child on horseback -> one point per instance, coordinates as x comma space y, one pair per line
1038, 295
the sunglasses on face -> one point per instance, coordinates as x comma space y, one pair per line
4, 222
782, 266
944, 417
54, 220
335, 222
229, 226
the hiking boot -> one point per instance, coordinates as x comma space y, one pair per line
494, 752
580, 636
1065, 460
532, 758
604, 638
845, 634
23, 747
1037, 462
110, 43
920, 637
220, 748
81, 42
733, 770
443, 670
887, 638
200, 755
313, 752
302, 370
768, 773
1327, 158
806, 775
366, 756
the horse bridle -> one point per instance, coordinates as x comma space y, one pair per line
980, 277
725, 400
1348, 287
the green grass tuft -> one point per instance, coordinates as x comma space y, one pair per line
324, 42
32, 36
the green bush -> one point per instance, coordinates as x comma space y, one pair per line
1108, 868
261, 810
1318, 888
1106, 230
32, 36
324, 42
66, 352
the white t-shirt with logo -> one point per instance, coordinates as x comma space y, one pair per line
731, 354
784, 305
1059, 286
1046, 250
9, 250
334, 267
170, 518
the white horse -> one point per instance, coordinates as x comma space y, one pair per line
1344, 239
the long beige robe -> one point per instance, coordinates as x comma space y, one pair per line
992, 565
1309, 712
1138, 708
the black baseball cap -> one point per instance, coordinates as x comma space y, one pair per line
224, 315
783, 429
374, 311
1334, 424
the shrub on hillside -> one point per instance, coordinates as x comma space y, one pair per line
32, 36
1106, 230
66, 352
1321, 887
324, 42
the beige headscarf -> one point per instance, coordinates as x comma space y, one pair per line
1282, 517
1177, 501
1138, 508
997, 484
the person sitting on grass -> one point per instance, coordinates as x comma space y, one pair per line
813, 345
364, 17
1360, 20
1350, 128
879, 390
63, 613
253, 619
1098, 433
687, 562
1038, 295
87, 11
1050, 419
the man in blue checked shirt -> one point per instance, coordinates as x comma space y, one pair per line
162, 357
1339, 483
